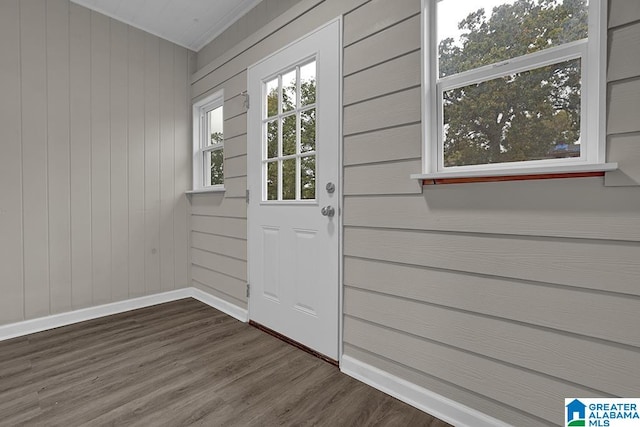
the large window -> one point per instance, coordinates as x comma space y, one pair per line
208, 143
513, 84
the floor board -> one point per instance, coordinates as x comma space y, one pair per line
178, 364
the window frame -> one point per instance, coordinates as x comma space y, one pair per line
592, 53
201, 149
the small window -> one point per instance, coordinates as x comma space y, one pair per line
208, 143
513, 84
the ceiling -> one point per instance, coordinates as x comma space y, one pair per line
188, 23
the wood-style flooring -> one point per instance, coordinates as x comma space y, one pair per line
177, 364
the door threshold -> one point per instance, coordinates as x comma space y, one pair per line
294, 343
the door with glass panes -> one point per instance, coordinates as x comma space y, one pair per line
293, 163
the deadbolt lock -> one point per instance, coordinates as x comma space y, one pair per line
331, 187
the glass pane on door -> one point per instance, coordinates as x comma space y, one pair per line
272, 180
308, 130
289, 134
289, 179
289, 92
289, 137
308, 84
272, 97
308, 177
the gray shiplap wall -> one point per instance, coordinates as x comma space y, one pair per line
95, 135
263, 13
505, 297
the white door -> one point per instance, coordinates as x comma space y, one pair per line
293, 163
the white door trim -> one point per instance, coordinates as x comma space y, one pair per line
339, 187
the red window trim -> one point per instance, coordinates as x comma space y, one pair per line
438, 181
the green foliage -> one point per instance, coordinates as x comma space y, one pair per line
308, 177
216, 162
272, 103
289, 130
217, 167
217, 138
519, 117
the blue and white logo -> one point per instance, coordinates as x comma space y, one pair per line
584, 412
576, 411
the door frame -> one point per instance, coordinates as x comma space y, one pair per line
340, 183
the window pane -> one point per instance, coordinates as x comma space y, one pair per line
214, 123
272, 180
308, 130
308, 84
216, 164
289, 179
308, 177
533, 115
272, 97
272, 139
481, 32
289, 135
289, 91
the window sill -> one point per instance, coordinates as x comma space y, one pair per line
206, 190
520, 174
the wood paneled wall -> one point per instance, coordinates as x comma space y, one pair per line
263, 13
623, 75
95, 138
505, 297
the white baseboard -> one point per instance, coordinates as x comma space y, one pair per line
56, 320
439, 406
226, 307
26, 327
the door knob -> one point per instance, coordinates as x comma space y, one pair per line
331, 187
328, 211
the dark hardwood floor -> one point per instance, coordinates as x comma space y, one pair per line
181, 363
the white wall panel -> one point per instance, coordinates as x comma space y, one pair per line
80, 130
182, 166
118, 132
623, 11
34, 158
11, 248
151, 163
167, 171
58, 154
136, 193
89, 142
100, 159
375, 16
